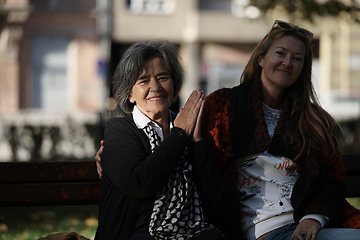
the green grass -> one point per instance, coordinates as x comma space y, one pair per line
355, 202
31, 223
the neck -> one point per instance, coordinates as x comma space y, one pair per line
164, 123
274, 99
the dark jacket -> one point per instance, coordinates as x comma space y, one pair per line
132, 173
234, 127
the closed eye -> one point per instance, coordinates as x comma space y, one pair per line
142, 81
164, 78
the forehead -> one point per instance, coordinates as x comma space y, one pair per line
290, 43
154, 64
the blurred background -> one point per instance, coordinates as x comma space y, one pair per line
57, 58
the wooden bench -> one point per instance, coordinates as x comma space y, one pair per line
49, 183
352, 168
77, 183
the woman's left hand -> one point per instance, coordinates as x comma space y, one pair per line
188, 115
196, 136
308, 226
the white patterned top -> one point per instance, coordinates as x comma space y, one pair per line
265, 182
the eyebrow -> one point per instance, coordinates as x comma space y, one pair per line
144, 76
299, 53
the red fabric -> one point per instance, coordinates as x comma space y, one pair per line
351, 217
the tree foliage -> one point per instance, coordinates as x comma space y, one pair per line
309, 9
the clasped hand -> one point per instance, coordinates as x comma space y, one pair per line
189, 117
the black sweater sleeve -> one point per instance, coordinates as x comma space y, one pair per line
129, 163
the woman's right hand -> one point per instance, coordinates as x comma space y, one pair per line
98, 158
188, 115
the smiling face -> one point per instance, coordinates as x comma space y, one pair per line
153, 91
282, 64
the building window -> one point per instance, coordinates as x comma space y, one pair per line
215, 5
242, 9
151, 6
50, 73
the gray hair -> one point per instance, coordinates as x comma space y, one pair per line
132, 64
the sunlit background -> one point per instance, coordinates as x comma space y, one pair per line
57, 58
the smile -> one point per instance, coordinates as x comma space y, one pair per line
155, 98
284, 71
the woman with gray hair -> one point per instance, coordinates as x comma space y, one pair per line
153, 160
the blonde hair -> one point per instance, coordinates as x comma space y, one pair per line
309, 124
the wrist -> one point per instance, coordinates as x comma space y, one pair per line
179, 131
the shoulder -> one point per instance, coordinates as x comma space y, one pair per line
121, 123
219, 94
217, 100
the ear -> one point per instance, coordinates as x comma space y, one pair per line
260, 61
131, 98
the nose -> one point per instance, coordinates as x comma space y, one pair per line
287, 61
154, 85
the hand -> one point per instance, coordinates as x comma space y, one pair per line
310, 226
196, 136
98, 158
187, 117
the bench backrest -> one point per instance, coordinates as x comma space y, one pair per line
49, 183
352, 168
74, 183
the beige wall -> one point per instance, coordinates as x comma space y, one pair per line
18, 26
85, 84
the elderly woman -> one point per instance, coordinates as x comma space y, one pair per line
277, 146
153, 158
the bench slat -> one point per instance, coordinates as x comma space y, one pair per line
352, 165
353, 186
74, 183
50, 194
36, 172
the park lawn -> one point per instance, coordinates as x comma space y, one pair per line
31, 223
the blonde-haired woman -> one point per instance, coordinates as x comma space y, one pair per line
277, 146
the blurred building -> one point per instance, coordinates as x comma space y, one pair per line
52, 77
49, 56
55, 54
216, 38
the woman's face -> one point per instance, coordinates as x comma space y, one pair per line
282, 64
153, 91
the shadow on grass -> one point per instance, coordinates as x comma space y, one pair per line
31, 223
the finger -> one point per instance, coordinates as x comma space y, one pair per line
197, 130
190, 99
201, 100
198, 102
201, 109
314, 235
193, 99
99, 173
201, 106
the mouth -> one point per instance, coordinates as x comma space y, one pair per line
284, 71
155, 98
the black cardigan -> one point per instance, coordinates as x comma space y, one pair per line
132, 173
